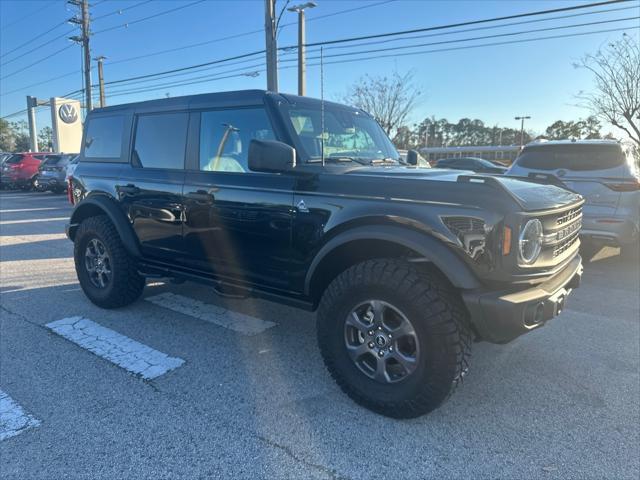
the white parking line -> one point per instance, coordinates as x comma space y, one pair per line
235, 321
13, 419
31, 220
19, 210
133, 356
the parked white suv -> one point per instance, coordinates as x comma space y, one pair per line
600, 171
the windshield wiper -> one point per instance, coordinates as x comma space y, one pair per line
386, 161
339, 159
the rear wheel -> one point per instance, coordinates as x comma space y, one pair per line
107, 273
395, 339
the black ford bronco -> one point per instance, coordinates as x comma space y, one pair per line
308, 203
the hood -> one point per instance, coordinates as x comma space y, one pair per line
528, 195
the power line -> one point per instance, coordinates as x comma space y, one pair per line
467, 47
15, 114
462, 24
193, 80
32, 40
165, 12
198, 70
34, 12
191, 67
119, 11
22, 55
246, 74
217, 62
243, 34
490, 27
64, 75
499, 35
37, 62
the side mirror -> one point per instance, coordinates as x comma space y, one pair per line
412, 157
271, 156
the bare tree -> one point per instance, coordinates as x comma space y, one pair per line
389, 99
616, 98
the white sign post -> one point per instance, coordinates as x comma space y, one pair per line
66, 123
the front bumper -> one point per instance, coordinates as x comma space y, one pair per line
499, 317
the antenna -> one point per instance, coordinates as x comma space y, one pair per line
322, 104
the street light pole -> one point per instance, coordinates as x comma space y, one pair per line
301, 41
100, 61
522, 119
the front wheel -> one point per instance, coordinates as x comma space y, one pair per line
106, 272
395, 339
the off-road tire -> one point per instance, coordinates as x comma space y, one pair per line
126, 283
440, 321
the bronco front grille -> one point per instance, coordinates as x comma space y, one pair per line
561, 232
570, 215
565, 245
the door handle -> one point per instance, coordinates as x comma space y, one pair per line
129, 189
200, 196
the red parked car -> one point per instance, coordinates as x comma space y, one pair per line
20, 170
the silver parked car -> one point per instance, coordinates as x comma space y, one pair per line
600, 171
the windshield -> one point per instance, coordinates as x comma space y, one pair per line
483, 162
348, 135
571, 157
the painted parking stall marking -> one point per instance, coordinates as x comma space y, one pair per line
13, 419
129, 354
238, 322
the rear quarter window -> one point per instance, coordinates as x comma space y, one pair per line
103, 138
571, 157
14, 159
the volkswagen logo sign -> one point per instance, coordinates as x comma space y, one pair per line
67, 113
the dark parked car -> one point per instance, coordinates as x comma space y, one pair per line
306, 203
52, 173
20, 170
477, 165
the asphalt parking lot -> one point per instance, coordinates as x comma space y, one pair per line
255, 401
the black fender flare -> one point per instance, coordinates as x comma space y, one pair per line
429, 247
104, 205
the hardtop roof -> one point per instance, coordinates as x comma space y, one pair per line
214, 100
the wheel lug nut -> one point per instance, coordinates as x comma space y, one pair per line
389, 335
381, 353
371, 345
379, 328
391, 349
370, 332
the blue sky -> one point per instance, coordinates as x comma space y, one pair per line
492, 83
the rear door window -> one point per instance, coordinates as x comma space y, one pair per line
104, 137
161, 140
571, 157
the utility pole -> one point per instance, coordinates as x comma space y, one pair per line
271, 44
299, 9
522, 119
32, 103
100, 60
84, 22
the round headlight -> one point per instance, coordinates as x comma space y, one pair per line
530, 242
